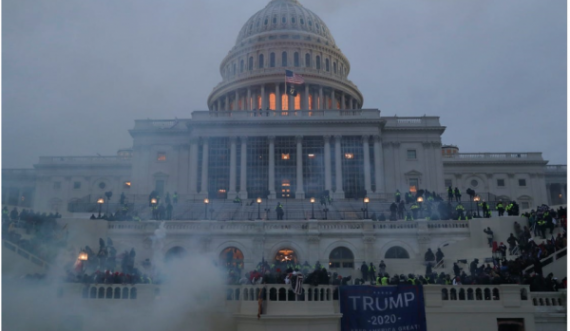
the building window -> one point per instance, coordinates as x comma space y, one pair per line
257, 167
522, 182
250, 64
525, 205
334, 67
76, 185
102, 185
272, 60
285, 156
283, 20
272, 101
474, 183
296, 60
310, 23
218, 167
161, 156
274, 20
341, 257
308, 60
397, 252
260, 64
285, 167
56, 185
285, 101
302, 21
241, 66
352, 167
318, 62
266, 21
501, 182
411, 154
414, 182
234, 69
448, 183
284, 59
327, 65
313, 166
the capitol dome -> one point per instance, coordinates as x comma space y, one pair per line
284, 36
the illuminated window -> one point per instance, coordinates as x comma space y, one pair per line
272, 101
259, 101
286, 255
413, 184
284, 102
298, 102
311, 156
310, 102
127, 184
341, 257
161, 156
222, 191
285, 157
286, 183
349, 156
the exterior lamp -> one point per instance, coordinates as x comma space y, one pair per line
420, 200
477, 199
83, 256
100, 202
312, 208
365, 208
259, 208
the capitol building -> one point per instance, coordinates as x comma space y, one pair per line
264, 141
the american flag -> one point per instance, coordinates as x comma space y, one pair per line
293, 78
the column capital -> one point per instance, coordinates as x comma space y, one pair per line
365, 138
377, 139
271, 139
204, 140
338, 137
243, 139
233, 139
327, 138
194, 140
299, 139
396, 143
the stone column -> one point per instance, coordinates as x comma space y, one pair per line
367, 176
243, 169
321, 98
343, 102
300, 192
236, 101
204, 190
248, 104
328, 182
227, 105
271, 140
193, 190
379, 164
233, 168
277, 98
291, 102
306, 98
339, 194
263, 101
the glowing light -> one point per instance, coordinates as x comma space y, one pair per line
100, 201
83, 256
206, 201
349, 156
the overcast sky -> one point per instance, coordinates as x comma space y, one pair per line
76, 74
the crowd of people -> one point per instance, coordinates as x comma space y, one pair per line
37, 233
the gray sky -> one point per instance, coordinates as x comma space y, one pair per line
76, 74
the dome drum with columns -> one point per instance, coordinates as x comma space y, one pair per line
284, 36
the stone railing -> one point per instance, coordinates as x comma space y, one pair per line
549, 259
556, 168
549, 300
272, 227
25, 254
291, 115
49, 160
411, 121
110, 291
494, 156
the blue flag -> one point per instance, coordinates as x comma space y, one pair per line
372, 308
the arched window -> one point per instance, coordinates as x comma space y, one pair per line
274, 20
241, 66
327, 65
293, 20
283, 20
250, 63
284, 101
310, 102
284, 59
318, 62
272, 101
175, 253
260, 64
234, 69
397, 252
231, 257
334, 67
341, 257
272, 60
298, 102
308, 60
296, 60
302, 21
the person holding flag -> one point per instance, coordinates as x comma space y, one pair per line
291, 80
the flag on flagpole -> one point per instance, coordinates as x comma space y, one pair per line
293, 78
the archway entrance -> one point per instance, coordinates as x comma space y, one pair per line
232, 257
286, 258
174, 253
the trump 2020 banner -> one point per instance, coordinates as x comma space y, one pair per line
382, 308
